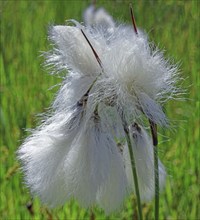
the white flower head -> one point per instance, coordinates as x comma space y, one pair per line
73, 154
131, 73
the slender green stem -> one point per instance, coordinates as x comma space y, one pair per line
133, 164
135, 177
156, 176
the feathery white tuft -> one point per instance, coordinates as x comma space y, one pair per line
139, 74
72, 90
66, 158
94, 163
114, 190
72, 52
43, 155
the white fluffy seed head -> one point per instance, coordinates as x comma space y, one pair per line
135, 76
72, 154
140, 74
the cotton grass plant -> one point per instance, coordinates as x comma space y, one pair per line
95, 144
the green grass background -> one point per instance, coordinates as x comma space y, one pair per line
25, 84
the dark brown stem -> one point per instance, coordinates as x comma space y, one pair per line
30, 208
153, 127
93, 50
133, 19
94, 3
92, 215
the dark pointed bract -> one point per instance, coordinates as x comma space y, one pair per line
133, 19
93, 50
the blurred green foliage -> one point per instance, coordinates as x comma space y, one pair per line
25, 92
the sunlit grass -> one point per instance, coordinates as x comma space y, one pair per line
25, 93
